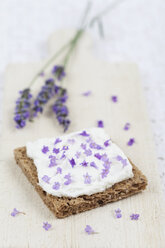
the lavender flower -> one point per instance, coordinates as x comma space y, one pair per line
58, 140
68, 177
45, 149
127, 126
47, 92
98, 156
84, 133
87, 178
93, 164
56, 186
72, 162
46, 226
58, 72
59, 170
89, 230
100, 124
22, 109
60, 109
114, 98
87, 93
131, 142
15, 212
46, 179
84, 163
78, 154
134, 216
118, 213
56, 150
105, 171
106, 143
53, 161
83, 146
88, 152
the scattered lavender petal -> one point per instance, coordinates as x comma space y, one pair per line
106, 143
100, 124
46, 179
118, 213
56, 186
84, 133
134, 216
131, 142
46, 226
127, 126
56, 150
87, 178
114, 98
14, 212
45, 149
72, 162
89, 230
93, 164
87, 93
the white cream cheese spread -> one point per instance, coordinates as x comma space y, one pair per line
79, 163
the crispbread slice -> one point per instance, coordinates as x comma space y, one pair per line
65, 206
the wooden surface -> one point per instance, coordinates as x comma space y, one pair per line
84, 73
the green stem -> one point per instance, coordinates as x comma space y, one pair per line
62, 49
77, 37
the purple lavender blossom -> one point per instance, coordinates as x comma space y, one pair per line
60, 109
22, 109
114, 99
65, 148
104, 157
100, 124
45, 94
53, 161
56, 185
131, 142
59, 170
46, 226
78, 154
46, 179
119, 158
59, 72
14, 212
98, 156
87, 178
93, 164
84, 163
127, 126
89, 230
88, 152
87, 93
58, 140
105, 171
56, 150
93, 145
45, 149
72, 162
134, 216
68, 177
84, 133
63, 155
106, 143
83, 146
118, 213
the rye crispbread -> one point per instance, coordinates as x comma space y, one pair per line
65, 206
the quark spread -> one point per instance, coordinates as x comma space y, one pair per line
80, 163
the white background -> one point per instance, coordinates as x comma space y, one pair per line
134, 31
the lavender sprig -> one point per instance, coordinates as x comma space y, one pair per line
46, 93
22, 109
59, 107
